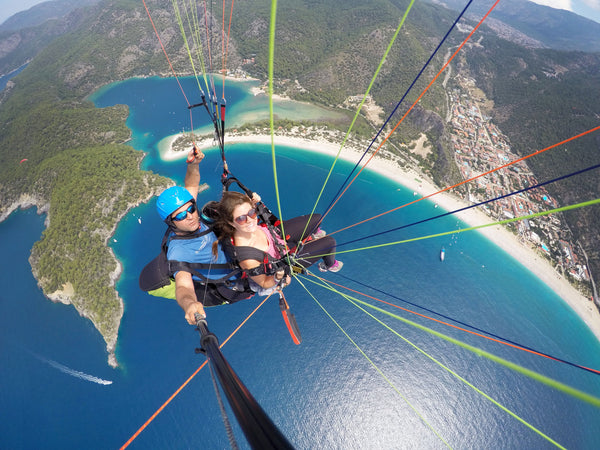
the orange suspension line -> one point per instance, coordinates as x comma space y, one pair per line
499, 341
208, 40
413, 105
223, 48
572, 138
165, 52
186, 382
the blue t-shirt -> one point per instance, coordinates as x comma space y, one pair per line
199, 250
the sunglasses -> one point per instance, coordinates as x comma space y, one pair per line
244, 218
183, 214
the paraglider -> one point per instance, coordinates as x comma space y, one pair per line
213, 109
23, 160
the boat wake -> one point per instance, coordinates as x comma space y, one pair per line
73, 372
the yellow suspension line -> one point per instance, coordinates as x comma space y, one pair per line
573, 392
439, 363
184, 37
421, 417
476, 227
271, 114
196, 36
389, 47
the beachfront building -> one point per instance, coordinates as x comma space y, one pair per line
480, 147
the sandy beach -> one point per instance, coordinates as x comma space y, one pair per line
539, 266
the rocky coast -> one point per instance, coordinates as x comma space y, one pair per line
67, 295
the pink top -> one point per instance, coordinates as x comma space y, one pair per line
271, 249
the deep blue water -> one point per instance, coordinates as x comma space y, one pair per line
323, 393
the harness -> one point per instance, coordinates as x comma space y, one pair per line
269, 265
157, 277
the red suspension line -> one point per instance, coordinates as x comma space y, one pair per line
226, 42
171, 66
180, 388
499, 341
473, 178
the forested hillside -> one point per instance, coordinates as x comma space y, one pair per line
333, 48
77, 168
42, 12
548, 27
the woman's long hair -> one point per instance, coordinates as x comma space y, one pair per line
228, 203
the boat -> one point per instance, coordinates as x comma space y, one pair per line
442, 254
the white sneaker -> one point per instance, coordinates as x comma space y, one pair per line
319, 234
336, 267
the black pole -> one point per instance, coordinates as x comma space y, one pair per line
258, 428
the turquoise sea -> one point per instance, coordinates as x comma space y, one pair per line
57, 391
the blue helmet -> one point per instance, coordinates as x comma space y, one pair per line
172, 199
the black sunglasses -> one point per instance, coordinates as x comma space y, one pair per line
183, 214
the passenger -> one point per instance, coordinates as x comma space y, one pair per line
237, 222
193, 242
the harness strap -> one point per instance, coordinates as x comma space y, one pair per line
192, 235
269, 265
169, 235
232, 279
271, 222
194, 269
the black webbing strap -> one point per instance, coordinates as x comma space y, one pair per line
194, 269
259, 429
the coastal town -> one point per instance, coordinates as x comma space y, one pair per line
480, 147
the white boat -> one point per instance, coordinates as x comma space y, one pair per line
442, 254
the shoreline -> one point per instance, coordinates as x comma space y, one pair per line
507, 241
65, 295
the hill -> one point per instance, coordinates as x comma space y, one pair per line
542, 97
534, 25
78, 171
325, 53
538, 96
25, 34
42, 12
